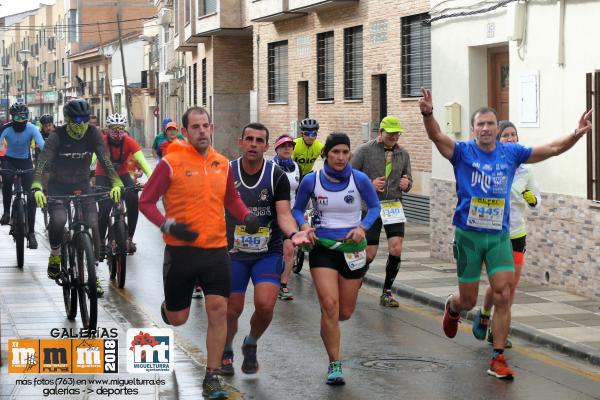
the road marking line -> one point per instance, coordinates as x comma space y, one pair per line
189, 349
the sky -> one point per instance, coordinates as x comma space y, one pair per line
9, 7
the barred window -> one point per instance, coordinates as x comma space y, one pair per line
204, 81
416, 55
189, 81
278, 72
188, 11
206, 7
195, 84
353, 63
325, 61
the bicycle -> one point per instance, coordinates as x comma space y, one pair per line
117, 243
299, 258
18, 217
78, 262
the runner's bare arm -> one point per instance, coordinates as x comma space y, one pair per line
560, 145
444, 144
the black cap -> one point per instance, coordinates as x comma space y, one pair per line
334, 139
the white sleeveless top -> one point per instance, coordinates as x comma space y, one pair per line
337, 209
294, 178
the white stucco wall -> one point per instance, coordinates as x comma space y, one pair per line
134, 62
459, 57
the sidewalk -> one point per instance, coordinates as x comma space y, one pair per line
31, 305
542, 314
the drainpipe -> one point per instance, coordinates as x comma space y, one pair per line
561, 33
258, 77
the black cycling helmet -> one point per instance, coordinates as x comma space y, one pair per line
46, 119
19, 108
309, 124
76, 108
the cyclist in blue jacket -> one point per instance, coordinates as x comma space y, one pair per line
18, 135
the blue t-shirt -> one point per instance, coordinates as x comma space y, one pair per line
19, 143
483, 182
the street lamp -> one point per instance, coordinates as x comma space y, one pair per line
25, 53
101, 75
6, 71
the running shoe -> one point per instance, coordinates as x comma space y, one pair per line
388, 300
480, 325
227, 364
285, 293
163, 313
250, 363
5, 220
212, 387
490, 339
54, 267
450, 323
32, 241
99, 290
335, 376
499, 369
198, 293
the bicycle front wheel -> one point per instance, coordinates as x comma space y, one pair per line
19, 229
86, 285
67, 266
46, 218
298, 261
120, 259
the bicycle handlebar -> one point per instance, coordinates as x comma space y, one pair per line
135, 188
17, 171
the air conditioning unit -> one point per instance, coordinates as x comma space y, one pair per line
165, 16
294, 128
366, 131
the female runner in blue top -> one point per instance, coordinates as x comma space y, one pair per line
338, 260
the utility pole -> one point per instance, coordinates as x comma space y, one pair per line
126, 91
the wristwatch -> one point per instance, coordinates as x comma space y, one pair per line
427, 114
291, 235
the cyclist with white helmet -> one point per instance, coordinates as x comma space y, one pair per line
307, 148
120, 146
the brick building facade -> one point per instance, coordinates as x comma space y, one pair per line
357, 114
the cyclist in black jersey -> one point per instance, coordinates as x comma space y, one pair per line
67, 155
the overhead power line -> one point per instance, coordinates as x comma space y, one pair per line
70, 26
485, 10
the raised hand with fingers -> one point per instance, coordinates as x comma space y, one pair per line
585, 124
426, 102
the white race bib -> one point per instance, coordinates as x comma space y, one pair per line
392, 212
486, 213
251, 243
356, 260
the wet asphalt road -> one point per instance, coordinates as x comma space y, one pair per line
387, 353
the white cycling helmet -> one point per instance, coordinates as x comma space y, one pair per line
116, 119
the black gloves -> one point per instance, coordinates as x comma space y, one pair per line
180, 231
252, 223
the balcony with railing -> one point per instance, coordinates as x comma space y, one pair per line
220, 18
318, 5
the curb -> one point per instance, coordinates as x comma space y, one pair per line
517, 329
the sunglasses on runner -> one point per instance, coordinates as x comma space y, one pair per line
81, 118
20, 117
310, 133
117, 128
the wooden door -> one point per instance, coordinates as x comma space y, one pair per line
498, 81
